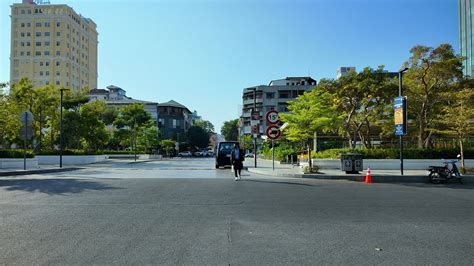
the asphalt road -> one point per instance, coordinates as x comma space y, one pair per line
185, 212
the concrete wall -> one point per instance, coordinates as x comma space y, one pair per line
70, 159
388, 164
31, 163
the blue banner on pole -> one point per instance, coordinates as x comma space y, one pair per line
400, 114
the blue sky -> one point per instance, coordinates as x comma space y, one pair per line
203, 53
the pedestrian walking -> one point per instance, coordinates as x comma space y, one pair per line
237, 157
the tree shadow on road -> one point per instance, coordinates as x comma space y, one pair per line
54, 186
450, 185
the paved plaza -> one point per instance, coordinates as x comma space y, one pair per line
186, 212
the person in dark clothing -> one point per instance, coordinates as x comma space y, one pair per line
237, 158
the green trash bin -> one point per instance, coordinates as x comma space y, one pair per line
351, 163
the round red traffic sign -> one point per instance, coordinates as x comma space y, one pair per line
272, 117
273, 132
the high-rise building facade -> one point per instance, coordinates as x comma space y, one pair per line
275, 96
344, 71
52, 44
466, 12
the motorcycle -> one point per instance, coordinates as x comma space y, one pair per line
441, 174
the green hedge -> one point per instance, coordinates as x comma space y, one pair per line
15, 154
390, 153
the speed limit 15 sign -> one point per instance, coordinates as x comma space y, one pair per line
272, 117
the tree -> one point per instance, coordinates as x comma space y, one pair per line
168, 145
458, 115
432, 71
197, 137
247, 141
313, 111
206, 125
133, 117
230, 130
9, 122
93, 131
148, 138
308, 113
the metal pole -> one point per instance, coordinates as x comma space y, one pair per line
24, 141
400, 75
61, 130
254, 137
273, 156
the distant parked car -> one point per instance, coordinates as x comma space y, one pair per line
185, 154
210, 153
198, 154
249, 155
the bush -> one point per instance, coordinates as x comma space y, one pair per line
15, 154
281, 151
391, 153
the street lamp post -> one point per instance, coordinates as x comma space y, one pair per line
61, 128
251, 116
400, 91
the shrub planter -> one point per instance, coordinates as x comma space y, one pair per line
388, 164
70, 159
7, 163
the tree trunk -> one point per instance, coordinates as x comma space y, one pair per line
461, 146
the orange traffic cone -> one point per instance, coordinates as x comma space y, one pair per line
368, 177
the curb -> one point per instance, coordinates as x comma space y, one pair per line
40, 171
360, 178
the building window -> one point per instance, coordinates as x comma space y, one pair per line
58, 43
29, 11
27, 43
46, 43
58, 34
22, 34
57, 73
38, 34
22, 53
28, 24
46, 24
270, 95
41, 63
46, 63
58, 53
41, 73
46, 52
22, 43
22, 25
47, 73
57, 63
38, 43
27, 53
58, 24
38, 24
23, 11
28, 34
47, 34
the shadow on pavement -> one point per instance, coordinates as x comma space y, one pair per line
447, 185
278, 182
53, 186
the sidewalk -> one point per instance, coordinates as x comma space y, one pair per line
264, 167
